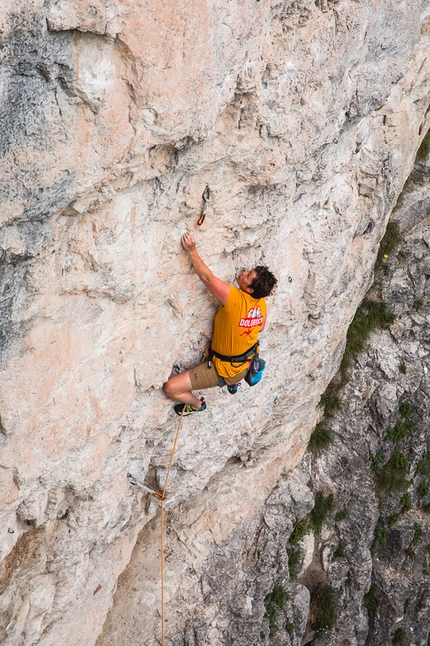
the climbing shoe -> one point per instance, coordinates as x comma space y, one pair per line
188, 409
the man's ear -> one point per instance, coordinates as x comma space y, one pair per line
250, 290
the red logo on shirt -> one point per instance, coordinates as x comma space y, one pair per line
254, 318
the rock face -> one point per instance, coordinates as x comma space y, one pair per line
263, 584
304, 119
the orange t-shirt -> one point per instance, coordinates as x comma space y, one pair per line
236, 327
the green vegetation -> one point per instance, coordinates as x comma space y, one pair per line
418, 534
424, 148
380, 536
375, 462
410, 553
289, 627
384, 267
330, 400
370, 602
339, 551
391, 240
402, 369
403, 426
406, 605
393, 518
422, 489
274, 602
301, 528
400, 461
341, 515
398, 432
371, 315
423, 466
399, 636
325, 612
392, 475
320, 438
406, 409
406, 503
418, 304
294, 560
311, 523
322, 507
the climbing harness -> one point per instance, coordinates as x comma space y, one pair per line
162, 497
206, 196
255, 371
237, 360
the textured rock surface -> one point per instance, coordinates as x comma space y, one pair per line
373, 548
304, 119
387, 510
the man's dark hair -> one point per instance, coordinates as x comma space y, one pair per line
263, 283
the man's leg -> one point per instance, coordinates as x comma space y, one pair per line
178, 388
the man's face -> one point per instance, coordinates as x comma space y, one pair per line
245, 279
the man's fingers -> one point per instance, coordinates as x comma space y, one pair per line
187, 240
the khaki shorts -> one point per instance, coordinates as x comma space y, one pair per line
202, 377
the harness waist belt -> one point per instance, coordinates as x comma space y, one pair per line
240, 358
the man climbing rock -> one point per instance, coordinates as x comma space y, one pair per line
240, 318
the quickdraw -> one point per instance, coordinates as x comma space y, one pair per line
206, 196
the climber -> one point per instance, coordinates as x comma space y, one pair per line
239, 319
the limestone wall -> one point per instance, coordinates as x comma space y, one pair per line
304, 119
368, 487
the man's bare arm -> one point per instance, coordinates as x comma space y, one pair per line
215, 285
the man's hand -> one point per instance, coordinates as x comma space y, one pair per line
217, 287
188, 241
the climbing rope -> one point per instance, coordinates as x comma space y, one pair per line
162, 497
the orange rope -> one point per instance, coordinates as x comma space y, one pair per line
162, 572
162, 497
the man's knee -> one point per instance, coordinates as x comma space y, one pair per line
167, 387
177, 384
